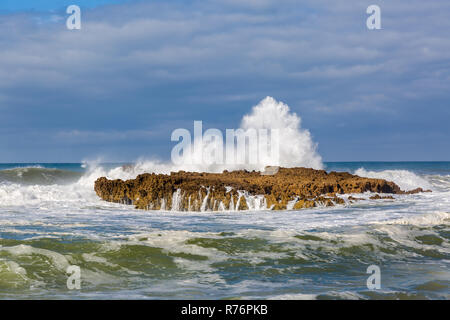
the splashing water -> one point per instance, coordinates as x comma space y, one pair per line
296, 149
406, 180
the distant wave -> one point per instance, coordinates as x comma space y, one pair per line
37, 175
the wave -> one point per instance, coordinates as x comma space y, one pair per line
405, 179
439, 182
36, 175
34, 186
218, 258
296, 147
430, 219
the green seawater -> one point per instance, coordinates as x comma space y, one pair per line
247, 264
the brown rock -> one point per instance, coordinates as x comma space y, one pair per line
191, 191
377, 197
417, 190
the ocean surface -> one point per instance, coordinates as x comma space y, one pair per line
51, 218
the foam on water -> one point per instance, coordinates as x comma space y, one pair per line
128, 253
429, 219
210, 261
405, 179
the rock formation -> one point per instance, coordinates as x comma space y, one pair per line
287, 188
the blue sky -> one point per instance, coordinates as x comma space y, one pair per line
139, 69
47, 5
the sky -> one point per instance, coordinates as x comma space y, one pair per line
137, 70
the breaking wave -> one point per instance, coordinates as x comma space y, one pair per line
35, 184
296, 147
405, 179
430, 219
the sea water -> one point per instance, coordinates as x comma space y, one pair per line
51, 218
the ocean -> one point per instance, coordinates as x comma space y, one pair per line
51, 218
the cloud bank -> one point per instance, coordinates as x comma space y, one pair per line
137, 70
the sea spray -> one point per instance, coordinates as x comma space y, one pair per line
406, 180
296, 148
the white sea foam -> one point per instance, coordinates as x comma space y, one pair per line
405, 179
38, 195
294, 296
430, 219
58, 260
